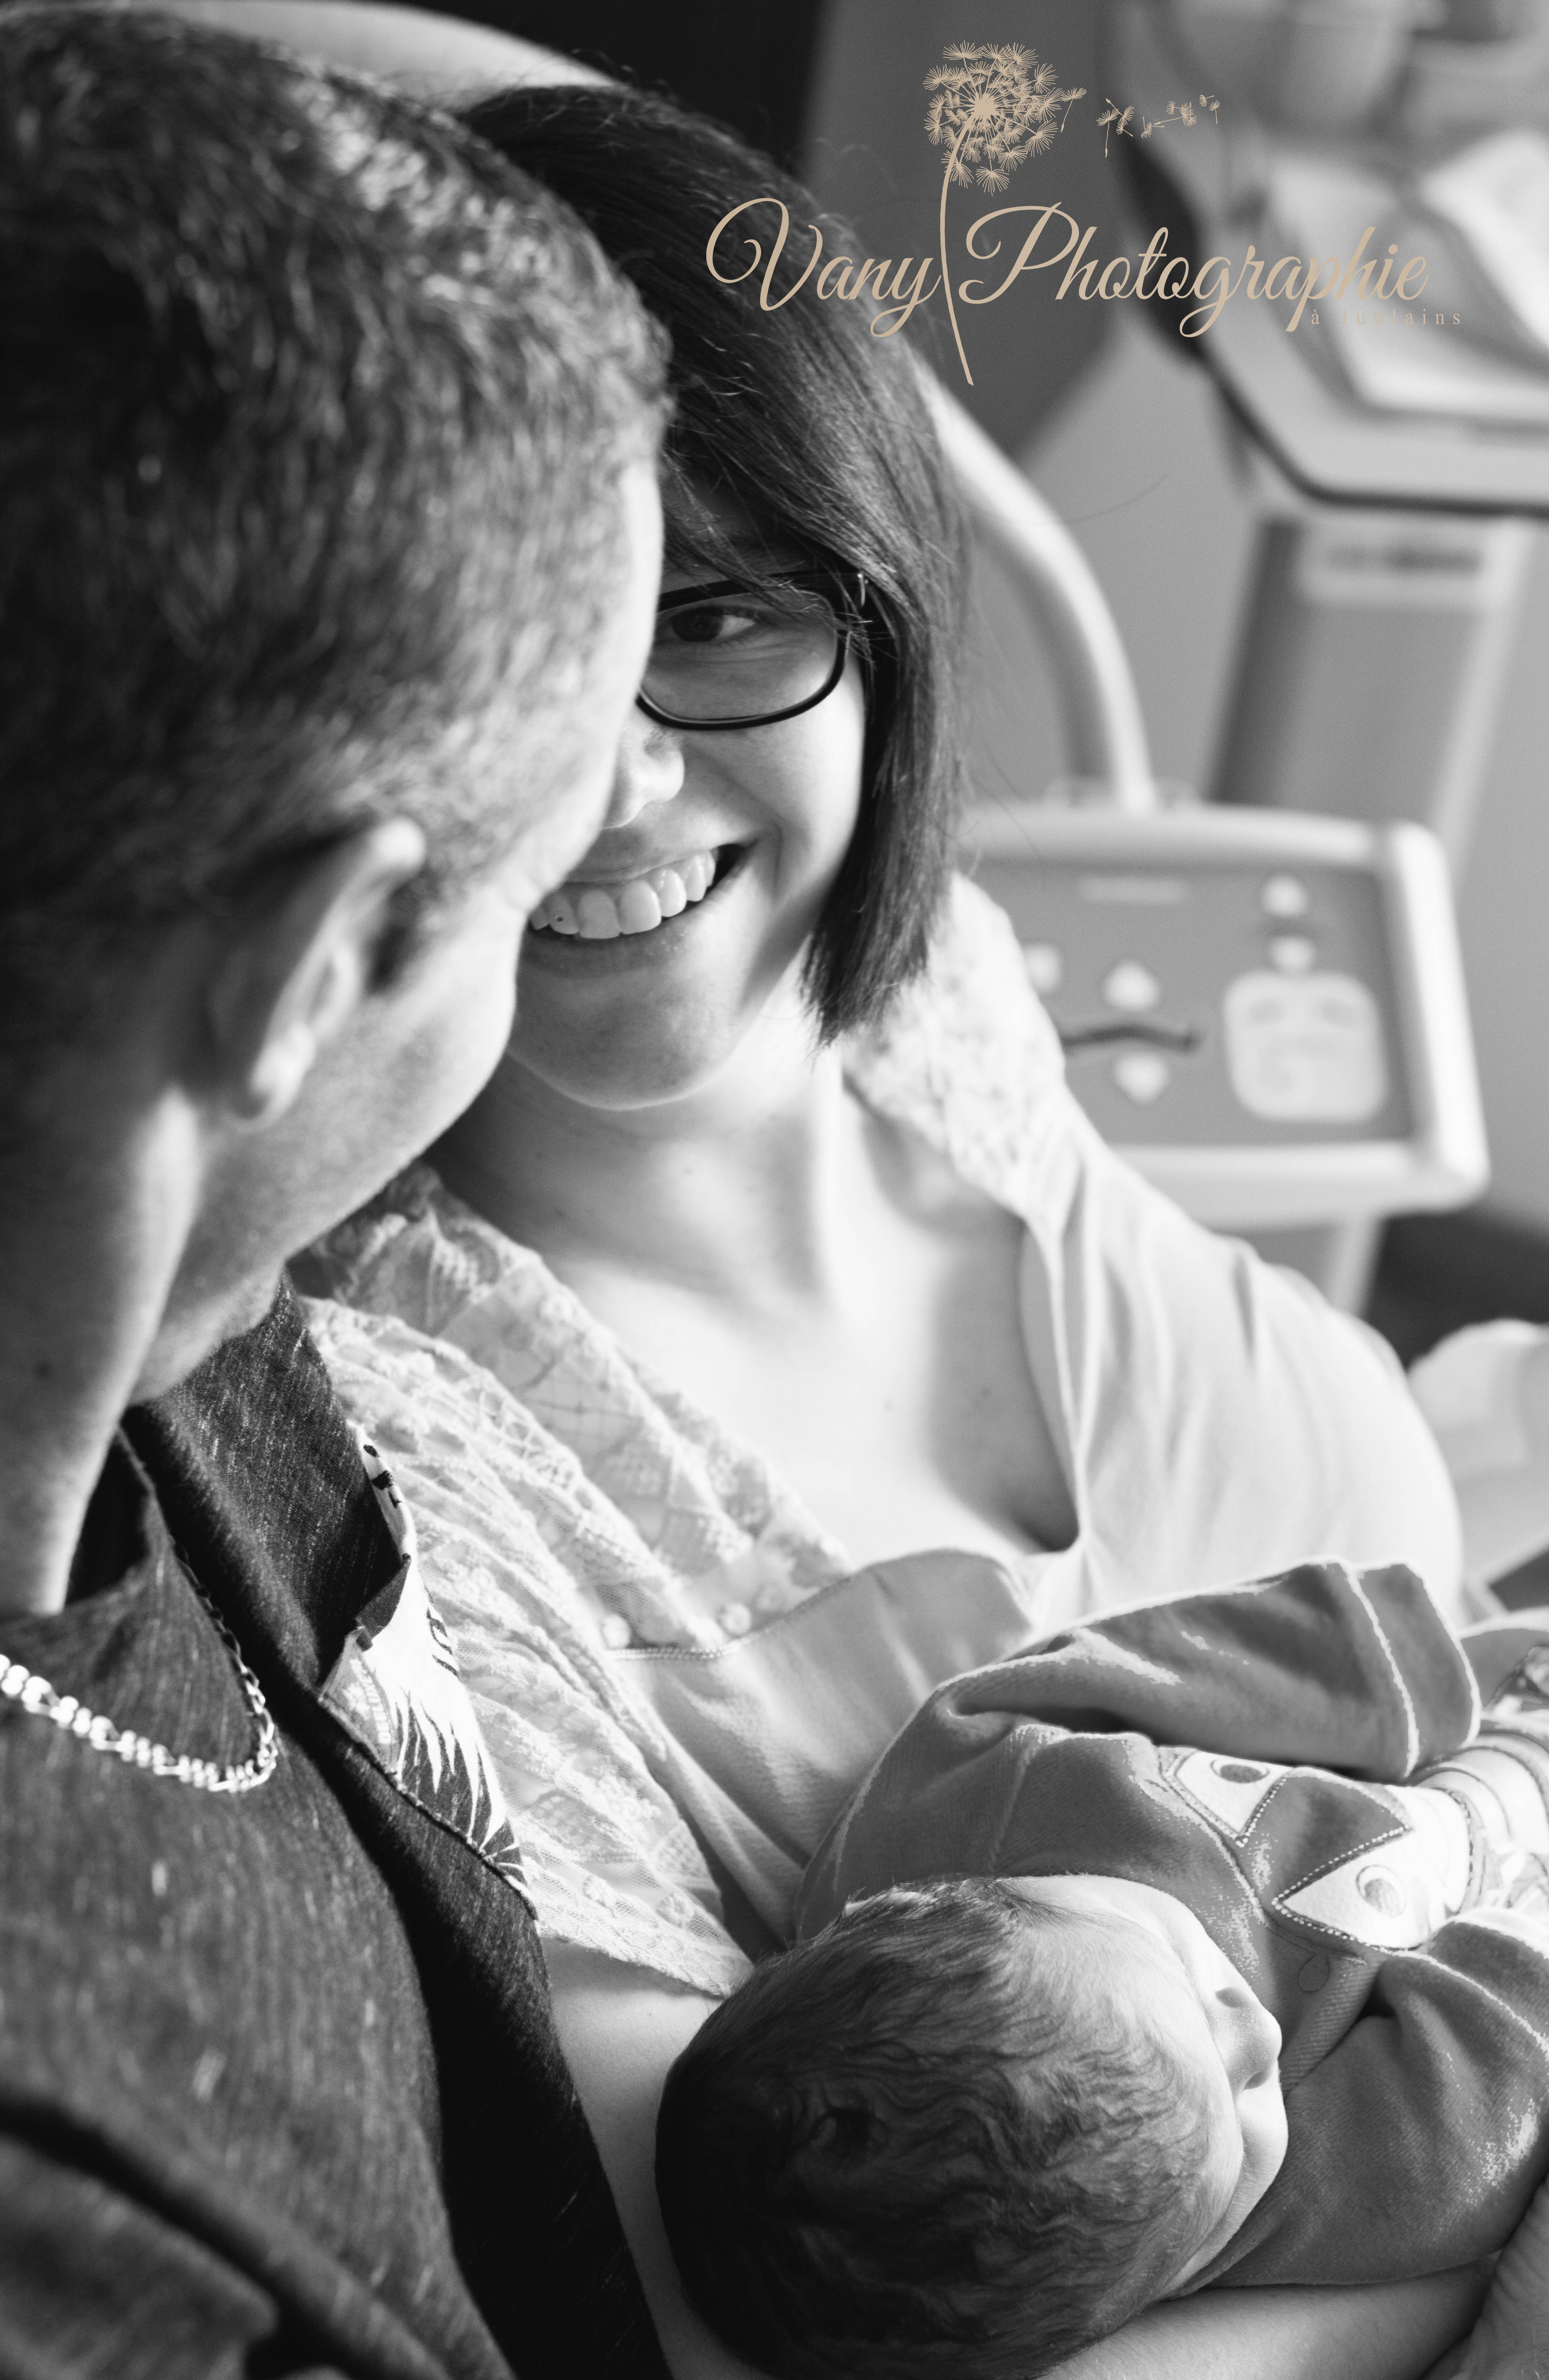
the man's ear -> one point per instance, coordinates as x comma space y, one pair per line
297, 968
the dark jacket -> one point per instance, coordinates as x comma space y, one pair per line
279, 2087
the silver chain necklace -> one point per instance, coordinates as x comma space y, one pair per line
33, 1694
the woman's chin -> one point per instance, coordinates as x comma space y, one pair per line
627, 1041
646, 1020
639, 1065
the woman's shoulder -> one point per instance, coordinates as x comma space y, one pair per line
418, 1252
434, 1402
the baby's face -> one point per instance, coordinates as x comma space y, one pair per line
1154, 1950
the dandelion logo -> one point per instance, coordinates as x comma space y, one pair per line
992, 108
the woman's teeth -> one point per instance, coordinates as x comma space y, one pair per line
598, 912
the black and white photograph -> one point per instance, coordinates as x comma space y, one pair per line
773, 1190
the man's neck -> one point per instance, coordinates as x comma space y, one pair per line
91, 1230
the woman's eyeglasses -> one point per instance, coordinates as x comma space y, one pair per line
729, 655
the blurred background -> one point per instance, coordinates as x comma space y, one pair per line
1168, 473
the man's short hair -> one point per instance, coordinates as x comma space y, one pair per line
892, 2153
312, 421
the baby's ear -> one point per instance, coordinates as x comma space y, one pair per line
841, 2135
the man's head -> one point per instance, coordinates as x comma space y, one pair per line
326, 444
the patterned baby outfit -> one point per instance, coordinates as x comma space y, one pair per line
1356, 1807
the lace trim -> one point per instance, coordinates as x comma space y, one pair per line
571, 1503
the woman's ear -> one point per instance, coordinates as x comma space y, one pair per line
296, 969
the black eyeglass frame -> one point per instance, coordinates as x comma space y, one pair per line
848, 618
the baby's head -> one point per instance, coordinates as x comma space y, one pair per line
967, 2129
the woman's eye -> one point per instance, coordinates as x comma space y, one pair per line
711, 623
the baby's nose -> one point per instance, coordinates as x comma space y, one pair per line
1257, 2036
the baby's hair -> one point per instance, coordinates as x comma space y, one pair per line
892, 2153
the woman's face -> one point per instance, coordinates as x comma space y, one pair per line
633, 1018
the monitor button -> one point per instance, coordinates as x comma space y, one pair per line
1285, 896
1142, 1076
1131, 988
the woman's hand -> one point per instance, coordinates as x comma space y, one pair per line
1510, 2340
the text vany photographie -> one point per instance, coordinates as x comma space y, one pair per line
1153, 272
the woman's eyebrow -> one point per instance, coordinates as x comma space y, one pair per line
746, 545
696, 572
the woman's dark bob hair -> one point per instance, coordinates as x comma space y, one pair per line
820, 431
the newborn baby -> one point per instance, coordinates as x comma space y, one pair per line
1081, 2016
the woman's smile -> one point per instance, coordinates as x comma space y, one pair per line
649, 968
601, 908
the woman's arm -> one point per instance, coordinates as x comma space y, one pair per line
621, 2030
1386, 2333
1510, 2340
1485, 1393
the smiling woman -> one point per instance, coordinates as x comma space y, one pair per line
800, 443
724, 656
747, 798
777, 1254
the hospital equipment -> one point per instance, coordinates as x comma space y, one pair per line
1265, 1011
1399, 451
1398, 462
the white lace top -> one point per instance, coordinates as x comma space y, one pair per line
675, 1664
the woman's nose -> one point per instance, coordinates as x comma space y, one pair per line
649, 768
